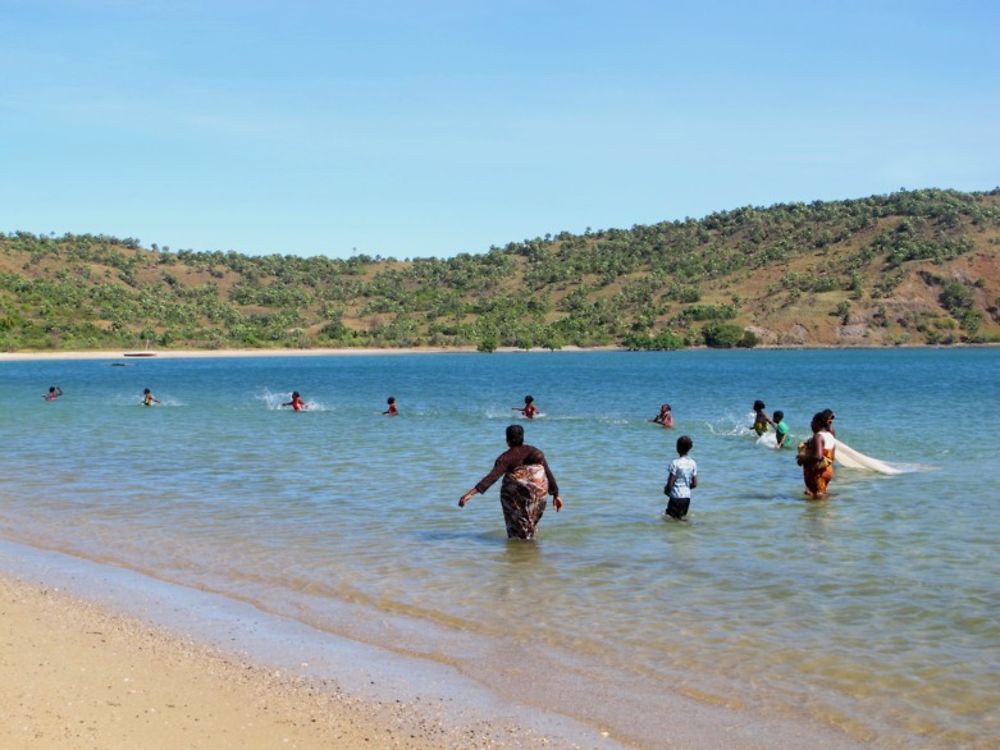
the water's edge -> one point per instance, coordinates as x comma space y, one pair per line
297, 650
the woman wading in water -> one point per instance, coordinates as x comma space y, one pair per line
816, 455
527, 479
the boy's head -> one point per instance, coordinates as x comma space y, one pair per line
665, 407
528, 399
515, 435
684, 445
145, 391
778, 416
758, 405
391, 400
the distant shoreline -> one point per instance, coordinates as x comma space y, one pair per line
138, 355
226, 353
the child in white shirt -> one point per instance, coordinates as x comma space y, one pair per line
682, 477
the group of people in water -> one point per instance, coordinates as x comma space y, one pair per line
815, 455
528, 479
298, 404
54, 392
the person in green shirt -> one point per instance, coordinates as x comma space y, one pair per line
780, 429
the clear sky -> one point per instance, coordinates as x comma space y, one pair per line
431, 128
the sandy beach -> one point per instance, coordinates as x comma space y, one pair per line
75, 675
139, 355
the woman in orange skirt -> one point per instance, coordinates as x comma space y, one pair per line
816, 456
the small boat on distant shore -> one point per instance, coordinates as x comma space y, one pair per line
146, 352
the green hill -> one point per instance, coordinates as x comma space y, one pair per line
913, 267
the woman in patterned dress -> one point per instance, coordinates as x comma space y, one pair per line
816, 455
527, 479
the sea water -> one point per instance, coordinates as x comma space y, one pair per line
875, 612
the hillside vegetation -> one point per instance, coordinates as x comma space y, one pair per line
913, 267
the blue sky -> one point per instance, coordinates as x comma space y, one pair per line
415, 129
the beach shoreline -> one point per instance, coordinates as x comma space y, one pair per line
132, 665
76, 675
102, 656
137, 355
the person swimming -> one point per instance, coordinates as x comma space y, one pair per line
665, 418
392, 411
148, 399
53, 393
529, 410
296, 403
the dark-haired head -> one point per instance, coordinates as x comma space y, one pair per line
295, 394
391, 400
684, 445
758, 405
828, 416
778, 416
665, 407
528, 399
52, 389
818, 421
145, 390
515, 435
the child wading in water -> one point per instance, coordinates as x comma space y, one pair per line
760, 418
392, 411
682, 477
148, 399
529, 410
780, 429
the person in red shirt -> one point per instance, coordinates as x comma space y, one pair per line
392, 411
296, 403
665, 417
527, 479
529, 410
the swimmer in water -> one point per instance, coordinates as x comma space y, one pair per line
760, 418
392, 411
54, 392
529, 410
665, 418
296, 403
148, 399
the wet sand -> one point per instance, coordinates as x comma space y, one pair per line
74, 675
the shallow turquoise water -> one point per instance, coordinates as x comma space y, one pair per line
876, 612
